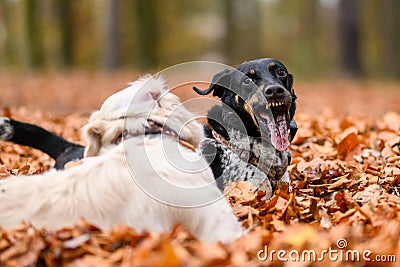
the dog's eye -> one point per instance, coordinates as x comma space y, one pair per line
246, 81
281, 73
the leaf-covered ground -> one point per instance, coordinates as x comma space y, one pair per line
343, 202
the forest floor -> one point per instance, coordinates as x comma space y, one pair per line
343, 203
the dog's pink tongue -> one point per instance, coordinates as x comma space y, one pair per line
279, 133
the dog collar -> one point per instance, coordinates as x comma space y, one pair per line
155, 128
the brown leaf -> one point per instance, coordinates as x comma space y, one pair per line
340, 182
371, 193
348, 145
241, 211
4, 172
24, 170
90, 261
211, 254
392, 120
30, 258
164, 256
341, 201
279, 225
241, 192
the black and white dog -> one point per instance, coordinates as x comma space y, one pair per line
249, 134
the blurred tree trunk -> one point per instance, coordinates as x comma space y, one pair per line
148, 32
17, 33
111, 41
311, 35
66, 25
33, 34
349, 38
230, 34
7, 48
389, 27
242, 36
308, 13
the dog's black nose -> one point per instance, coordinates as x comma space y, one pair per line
274, 91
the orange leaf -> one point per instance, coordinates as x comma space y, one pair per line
348, 146
23, 170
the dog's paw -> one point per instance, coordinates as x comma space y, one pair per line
6, 129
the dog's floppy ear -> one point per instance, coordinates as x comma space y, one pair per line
293, 125
290, 83
218, 85
294, 97
92, 134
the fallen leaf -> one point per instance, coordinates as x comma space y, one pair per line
348, 146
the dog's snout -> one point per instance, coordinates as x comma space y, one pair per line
274, 91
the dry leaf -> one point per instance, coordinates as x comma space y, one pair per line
348, 146
345, 184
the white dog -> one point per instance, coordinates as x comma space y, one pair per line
140, 169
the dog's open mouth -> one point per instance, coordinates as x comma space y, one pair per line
276, 118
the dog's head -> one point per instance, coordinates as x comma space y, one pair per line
262, 91
130, 110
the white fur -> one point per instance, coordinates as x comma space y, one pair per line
105, 191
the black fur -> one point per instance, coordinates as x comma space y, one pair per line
34, 136
256, 83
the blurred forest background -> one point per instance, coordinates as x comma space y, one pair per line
316, 38
69, 55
